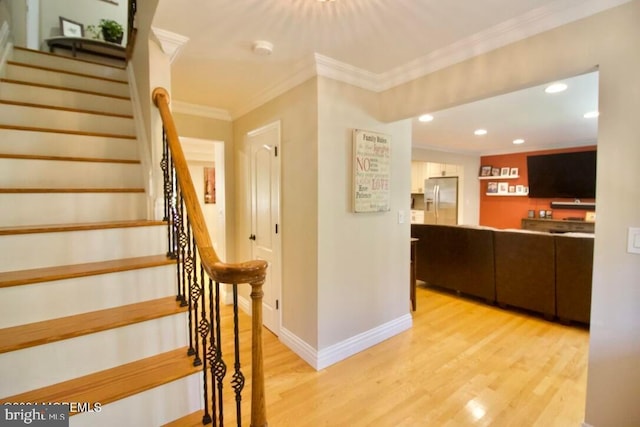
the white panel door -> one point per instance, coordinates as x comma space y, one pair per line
265, 215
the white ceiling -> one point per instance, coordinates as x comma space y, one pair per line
371, 43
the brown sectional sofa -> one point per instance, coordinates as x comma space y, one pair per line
541, 272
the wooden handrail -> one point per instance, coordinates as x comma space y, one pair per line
251, 272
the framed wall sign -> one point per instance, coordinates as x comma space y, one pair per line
371, 171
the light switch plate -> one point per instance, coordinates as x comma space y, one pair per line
633, 241
401, 216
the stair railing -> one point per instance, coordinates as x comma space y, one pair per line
199, 275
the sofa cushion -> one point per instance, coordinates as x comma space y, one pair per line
574, 270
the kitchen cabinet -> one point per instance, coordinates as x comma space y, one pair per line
423, 170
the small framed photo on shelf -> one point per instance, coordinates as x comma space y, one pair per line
485, 171
590, 217
519, 189
495, 172
69, 28
503, 188
504, 172
513, 172
492, 187
512, 189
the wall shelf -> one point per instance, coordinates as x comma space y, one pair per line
496, 178
508, 194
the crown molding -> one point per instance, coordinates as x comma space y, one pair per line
170, 42
529, 24
341, 71
200, 110
536, 21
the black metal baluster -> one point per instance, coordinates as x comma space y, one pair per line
194, 293
237, 381
182, 243
205, 327
164, 165
219, 367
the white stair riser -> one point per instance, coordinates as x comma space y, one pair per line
72, 81
69, 208
60, 298
66, 64
150, 408
59, 144
27, 251
17, 115
28, 173
47, 364
64, 98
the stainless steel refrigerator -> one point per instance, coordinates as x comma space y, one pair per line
441, 200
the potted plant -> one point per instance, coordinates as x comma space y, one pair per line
110, 30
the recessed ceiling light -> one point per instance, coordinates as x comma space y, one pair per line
518, 141
556, 87
480, 132
591, 114
425, 118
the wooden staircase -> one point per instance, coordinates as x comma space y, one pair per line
88, 313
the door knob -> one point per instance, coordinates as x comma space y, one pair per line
252, 237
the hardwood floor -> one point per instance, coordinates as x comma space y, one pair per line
464, 363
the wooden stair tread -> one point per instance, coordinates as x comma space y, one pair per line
71, 190
67, 131
193, 419
69, 58
52, 228
67, 109
39, 275
32, 334
68, 159
116, 383
71, 73
64, 88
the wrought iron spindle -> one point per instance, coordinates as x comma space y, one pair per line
205, 327
182, 244
237, 381
194, 294
218, 366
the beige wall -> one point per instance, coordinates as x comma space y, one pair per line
363, 258
608, 41
469, 194
297, 111
217, 130
82, 11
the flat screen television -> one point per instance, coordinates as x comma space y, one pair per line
562, 175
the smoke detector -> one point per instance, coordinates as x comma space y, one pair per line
262, 47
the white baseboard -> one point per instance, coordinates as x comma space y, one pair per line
342, 350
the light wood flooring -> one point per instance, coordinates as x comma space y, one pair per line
464, 363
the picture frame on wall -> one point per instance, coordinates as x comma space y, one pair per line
69, 28
495, 171
513, 172
492, 187
519, 189
504, 172
503, 188
485, 171
512, 189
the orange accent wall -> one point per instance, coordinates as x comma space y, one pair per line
508, 211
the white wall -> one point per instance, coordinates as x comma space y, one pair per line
86, 12
363, 258
469, 185
608, 41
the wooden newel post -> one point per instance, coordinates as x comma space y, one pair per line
258, 404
